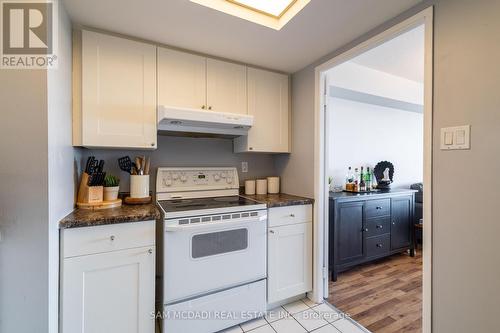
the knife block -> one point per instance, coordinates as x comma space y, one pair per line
89, 194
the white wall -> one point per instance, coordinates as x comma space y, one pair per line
364, 134
23, 202
61, 156
36, 188
352, 76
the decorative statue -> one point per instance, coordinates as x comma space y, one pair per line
384, 172
386, 175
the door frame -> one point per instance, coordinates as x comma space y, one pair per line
320, 232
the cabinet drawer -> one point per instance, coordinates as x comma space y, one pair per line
378, 245
375, 208
289, 215
378, 226
106, 238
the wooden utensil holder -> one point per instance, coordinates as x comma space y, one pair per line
89, 194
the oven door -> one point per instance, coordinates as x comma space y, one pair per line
203, 258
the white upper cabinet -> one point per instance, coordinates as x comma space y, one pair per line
191, 81
114, 92
182, 79
226, 87
268, 102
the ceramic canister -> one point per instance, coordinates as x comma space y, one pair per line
249, 187
261, 186
273, 185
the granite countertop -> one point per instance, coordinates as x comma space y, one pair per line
347, 195
124, 214
280, 199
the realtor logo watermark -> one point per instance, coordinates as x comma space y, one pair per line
29, 34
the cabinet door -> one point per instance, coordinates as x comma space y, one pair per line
349, 236
226, 87
182, 79
109, 292
401, 215
268, 103
118, 92
289, 261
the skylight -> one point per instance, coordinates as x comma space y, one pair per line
275, 8
270, 13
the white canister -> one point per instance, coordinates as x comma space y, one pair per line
139, 186
261, 186
273, 185
249, 187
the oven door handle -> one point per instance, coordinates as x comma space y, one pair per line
176, 227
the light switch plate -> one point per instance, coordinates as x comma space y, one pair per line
455, 138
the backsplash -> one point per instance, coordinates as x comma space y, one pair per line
183, 151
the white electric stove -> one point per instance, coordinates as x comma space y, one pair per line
214, 250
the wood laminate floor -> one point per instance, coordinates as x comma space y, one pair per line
385, 296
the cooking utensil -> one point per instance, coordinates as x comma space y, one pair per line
138, 165
146, 167
125, 164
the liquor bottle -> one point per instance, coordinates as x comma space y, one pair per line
356, 180
362, 183
368, 179
349, 179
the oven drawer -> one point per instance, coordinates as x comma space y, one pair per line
289, 215
105, 238
378, 245
376, 208
243, 301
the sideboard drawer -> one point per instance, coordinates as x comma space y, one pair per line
378, 245
378, 226
106, 238
375, 208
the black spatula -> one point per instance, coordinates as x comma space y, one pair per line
125, 164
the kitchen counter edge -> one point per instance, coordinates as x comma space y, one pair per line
125, 214
280, 199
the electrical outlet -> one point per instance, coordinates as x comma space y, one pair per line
244, 167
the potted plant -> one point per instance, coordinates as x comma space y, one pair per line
111, 187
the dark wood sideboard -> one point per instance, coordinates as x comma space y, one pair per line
367, 227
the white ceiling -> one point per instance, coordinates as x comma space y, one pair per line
321, 27
402, 56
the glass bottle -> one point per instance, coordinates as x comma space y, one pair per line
362, 183
368, 179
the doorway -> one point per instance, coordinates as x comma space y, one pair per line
324, 92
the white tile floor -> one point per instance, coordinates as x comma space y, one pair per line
300, 317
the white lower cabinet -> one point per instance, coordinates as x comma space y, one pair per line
109, 291
289, 256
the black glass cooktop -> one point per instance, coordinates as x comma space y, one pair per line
182, 205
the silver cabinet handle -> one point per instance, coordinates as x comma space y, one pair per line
150, 251
112, 238
380, 226
292, 215
271, 231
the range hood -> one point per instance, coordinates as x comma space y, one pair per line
183, 121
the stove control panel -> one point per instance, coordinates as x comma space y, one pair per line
173, 179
